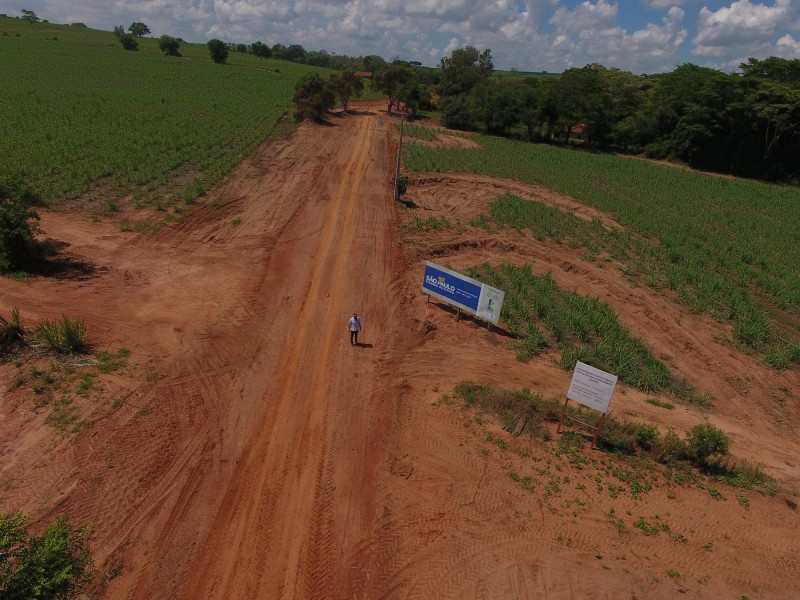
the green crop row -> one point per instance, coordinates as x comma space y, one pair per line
584, 328
78, 114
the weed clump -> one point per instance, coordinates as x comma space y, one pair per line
704, 447
66, 335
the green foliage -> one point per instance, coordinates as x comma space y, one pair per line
128, 42
139, 29
704, 443
108, 362
31, 17
218, 50
169, 45
260, 49
347, 84
52, 566
18, 219
392, 80
313, 97
586, 329
704, 447
66, 335
435, 223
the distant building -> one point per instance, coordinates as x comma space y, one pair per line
364, 74
415, 63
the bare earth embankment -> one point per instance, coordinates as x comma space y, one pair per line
246, 450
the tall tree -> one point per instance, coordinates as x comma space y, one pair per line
139, 29
218, 50
313, 97
260, 49
346, 84
29, 16
464, 69
391, 81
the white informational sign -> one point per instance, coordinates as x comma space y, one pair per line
490, 303
592, 387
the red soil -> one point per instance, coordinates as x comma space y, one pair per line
248, 451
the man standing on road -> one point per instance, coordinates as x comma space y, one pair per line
355, 327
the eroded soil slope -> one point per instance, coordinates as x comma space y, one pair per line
246, 450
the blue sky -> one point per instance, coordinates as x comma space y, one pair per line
641, 36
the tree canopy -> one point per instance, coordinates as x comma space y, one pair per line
260, 49
745, 123
313, 97
31, 17
139, 29
169, 45
346, 84
218, 50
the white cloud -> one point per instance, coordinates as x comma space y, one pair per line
788, 47
585, 17
740, 26
590, 34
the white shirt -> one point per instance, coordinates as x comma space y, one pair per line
355, 323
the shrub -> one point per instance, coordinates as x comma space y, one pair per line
55, 565
169, 45
18, 219
218, 51
128, 42
704, 443
313, 97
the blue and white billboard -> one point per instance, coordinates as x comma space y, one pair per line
466, 293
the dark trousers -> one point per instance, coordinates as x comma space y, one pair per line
354, 337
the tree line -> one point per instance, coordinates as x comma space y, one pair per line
745, 123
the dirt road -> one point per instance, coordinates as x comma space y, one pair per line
270, 510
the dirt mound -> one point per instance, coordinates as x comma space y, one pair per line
244, 449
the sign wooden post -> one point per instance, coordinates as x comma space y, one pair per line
593, 388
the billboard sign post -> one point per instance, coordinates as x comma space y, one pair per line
465, 293
593, 388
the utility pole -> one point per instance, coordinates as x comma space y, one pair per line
397, 170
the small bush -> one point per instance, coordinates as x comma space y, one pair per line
55, 565
128, 42
18, 219
169, 45
704, 443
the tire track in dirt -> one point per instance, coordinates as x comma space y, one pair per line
276, 513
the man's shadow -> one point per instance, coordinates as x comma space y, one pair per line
363, 345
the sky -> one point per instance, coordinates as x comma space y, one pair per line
640, 36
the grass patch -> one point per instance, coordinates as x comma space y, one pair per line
660, 404
435, 223
66, 335
108, 362
586, 329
